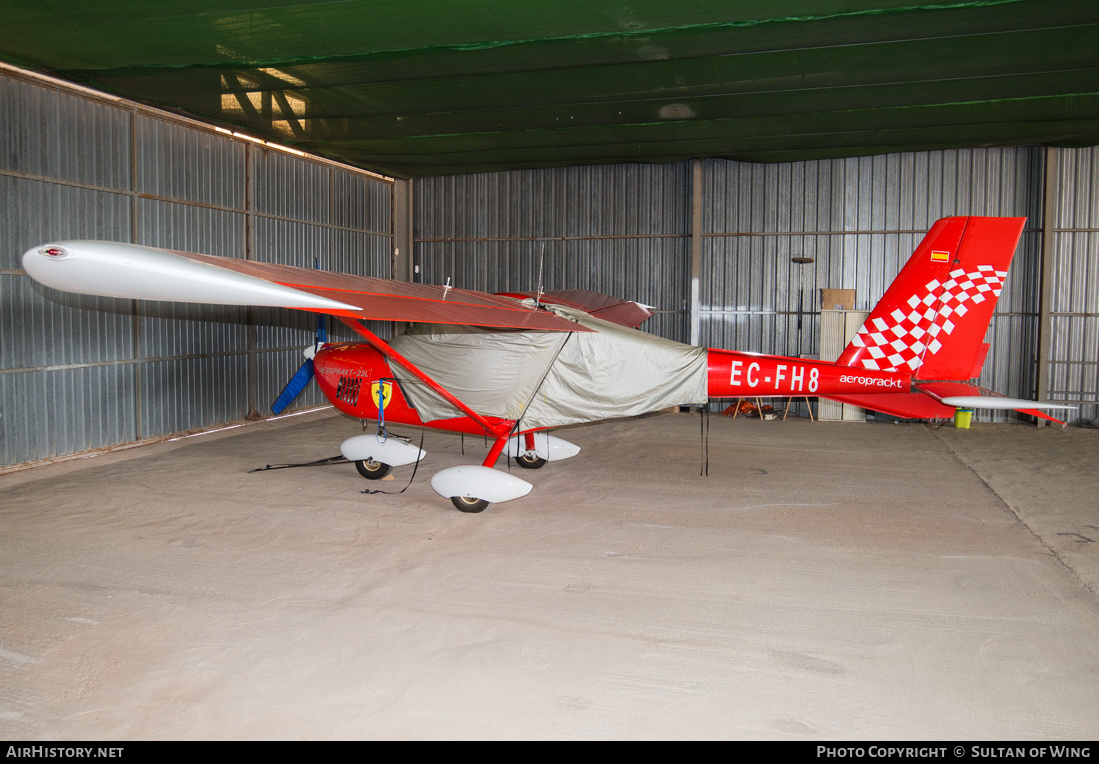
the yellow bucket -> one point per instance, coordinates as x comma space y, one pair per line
962, 418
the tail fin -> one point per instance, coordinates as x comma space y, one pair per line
932, 320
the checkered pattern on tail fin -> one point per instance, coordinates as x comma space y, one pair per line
902, 341
932, 320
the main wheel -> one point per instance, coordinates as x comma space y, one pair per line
468, 504
530, 461
372, 470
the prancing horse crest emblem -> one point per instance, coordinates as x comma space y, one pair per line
386, 393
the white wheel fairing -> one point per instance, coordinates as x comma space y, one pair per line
391, 451
477, 482
546, 446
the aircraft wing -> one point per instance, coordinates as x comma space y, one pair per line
130, 271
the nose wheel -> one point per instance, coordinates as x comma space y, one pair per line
469, 504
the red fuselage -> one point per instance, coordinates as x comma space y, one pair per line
351, 375
751, 375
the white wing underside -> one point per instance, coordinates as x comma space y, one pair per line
133, 272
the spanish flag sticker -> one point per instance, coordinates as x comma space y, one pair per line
940, 257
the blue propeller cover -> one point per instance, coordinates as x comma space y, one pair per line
294, 387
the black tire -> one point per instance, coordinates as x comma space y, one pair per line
469, 504
372, 470
530, 461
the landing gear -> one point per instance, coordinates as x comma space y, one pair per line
530, 461
372, 470
532, 450
472, 488
469, 504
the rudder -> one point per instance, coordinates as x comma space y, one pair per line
933, 318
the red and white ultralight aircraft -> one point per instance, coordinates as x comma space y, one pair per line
512, 367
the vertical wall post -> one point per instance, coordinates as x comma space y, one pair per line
696, 250
135, 223
1045, 323
251, 372
402, 230
401, 256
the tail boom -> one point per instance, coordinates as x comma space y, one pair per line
752, 375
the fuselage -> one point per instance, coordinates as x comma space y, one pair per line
359, 382
749, 375
356, 377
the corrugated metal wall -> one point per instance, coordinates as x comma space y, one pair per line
79, 373
1073, 355
621, 229
626, 230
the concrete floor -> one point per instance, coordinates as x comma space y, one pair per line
826, 581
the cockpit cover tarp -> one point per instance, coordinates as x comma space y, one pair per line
550, 379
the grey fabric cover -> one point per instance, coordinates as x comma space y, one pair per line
550, 379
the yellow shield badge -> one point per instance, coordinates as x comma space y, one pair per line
386, 392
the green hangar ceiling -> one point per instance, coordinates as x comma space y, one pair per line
436, 87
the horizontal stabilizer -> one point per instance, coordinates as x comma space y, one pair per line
969, 395
999, 403
911, 405
938, 400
